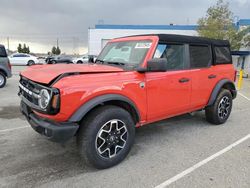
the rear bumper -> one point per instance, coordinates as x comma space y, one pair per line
54, 131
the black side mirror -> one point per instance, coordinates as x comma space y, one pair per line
157, 65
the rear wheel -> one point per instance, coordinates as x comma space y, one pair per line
106, 136
2, 80
31, 62
79, 62
219, 112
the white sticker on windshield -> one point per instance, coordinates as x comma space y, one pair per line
143, 45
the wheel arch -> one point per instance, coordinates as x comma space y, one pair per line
4, 72
108, 99
79, 62
222, 84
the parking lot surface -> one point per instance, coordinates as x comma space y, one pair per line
161, 151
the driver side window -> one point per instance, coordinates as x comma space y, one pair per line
174, 53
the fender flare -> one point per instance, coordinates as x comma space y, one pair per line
217, 89
91, 104
3, 71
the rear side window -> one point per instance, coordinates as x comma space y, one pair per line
174, 53
3, 52
200, 56
222, 54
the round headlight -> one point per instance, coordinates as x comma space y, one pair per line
44, 98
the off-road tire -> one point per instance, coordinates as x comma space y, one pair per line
3, 80
212, 112
89, 129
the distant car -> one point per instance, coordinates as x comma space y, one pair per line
5, 67
84, 59
59, 59
23, 59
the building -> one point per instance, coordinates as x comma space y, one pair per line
101, 34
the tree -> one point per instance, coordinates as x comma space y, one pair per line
19, 48
247, 41
56, 50
218, 24
53, 51
28, 50
24, 49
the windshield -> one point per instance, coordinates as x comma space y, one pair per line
127, 54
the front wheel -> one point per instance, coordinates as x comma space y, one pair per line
106, 136
2, 80
219, 112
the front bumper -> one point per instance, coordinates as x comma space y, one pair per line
54, 131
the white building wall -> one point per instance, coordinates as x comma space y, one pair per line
98, 37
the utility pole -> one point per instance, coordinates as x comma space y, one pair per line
57, 42
8, 44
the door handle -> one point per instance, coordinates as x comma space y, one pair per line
211, 76
182, 80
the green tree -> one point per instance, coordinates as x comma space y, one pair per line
218, 24
58, 51
53, 51
247, 41
28, 50
19, 48
24, 49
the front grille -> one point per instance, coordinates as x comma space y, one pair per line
29, 90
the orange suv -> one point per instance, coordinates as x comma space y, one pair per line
134, 81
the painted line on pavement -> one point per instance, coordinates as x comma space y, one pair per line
13, 129
201, 163
244, 96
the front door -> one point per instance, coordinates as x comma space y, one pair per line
168, 93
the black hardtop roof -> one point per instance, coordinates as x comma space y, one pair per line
1, 45
188, 39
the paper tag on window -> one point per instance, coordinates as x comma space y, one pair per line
143, 45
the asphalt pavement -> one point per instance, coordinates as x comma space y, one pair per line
184, 151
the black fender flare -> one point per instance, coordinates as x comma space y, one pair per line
4, 72
218, 87
91, 104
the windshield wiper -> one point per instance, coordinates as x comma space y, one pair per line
99, 61
114, 63
109, 62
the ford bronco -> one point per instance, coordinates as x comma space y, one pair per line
134, 81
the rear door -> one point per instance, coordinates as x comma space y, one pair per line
16, 59
203, 75
24, 59
168, 93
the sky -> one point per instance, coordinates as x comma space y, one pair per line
39, 23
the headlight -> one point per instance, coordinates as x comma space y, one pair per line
44, 98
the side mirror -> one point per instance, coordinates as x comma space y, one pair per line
157, 65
